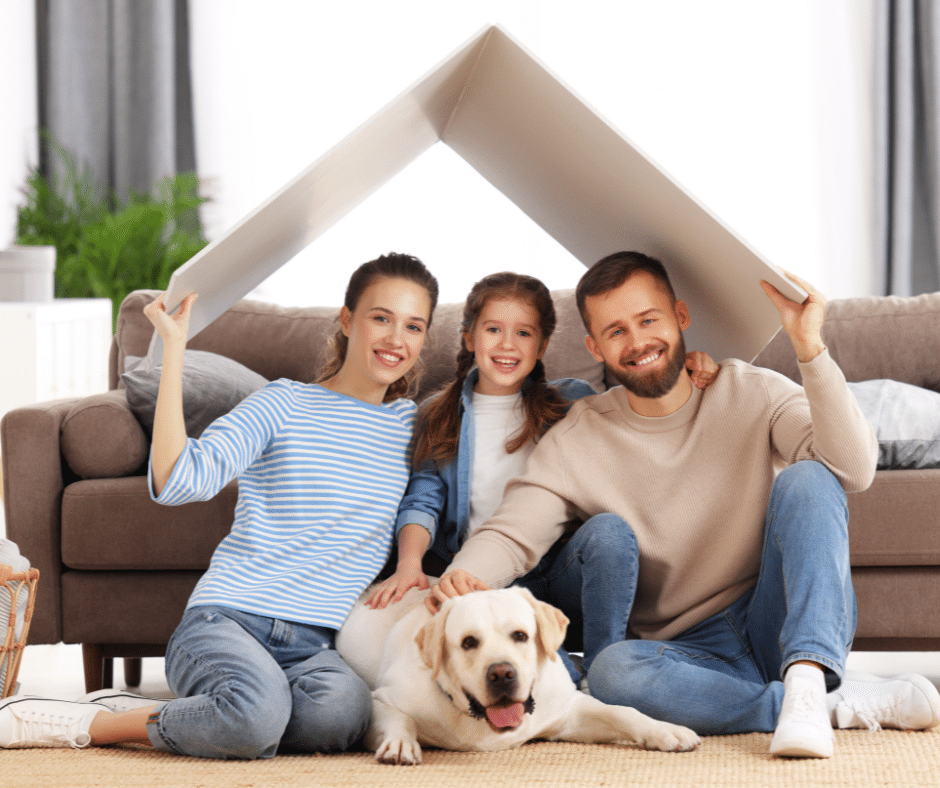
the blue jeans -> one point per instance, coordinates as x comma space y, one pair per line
725, 675
248, 685
592, 579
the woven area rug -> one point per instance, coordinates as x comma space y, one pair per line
886, 758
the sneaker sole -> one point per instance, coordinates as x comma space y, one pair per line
799, 747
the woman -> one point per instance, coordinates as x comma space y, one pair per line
321, 469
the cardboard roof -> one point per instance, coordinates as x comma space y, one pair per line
556, 158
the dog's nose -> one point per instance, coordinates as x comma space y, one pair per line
501, 676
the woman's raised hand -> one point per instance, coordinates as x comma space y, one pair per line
171, 328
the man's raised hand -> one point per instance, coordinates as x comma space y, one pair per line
802, 321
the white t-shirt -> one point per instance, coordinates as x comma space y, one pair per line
495, 420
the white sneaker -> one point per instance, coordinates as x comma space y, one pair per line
117, 700
908, 702
804, 729
27, 721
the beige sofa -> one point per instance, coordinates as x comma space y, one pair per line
117, 568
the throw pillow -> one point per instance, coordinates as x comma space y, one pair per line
906, 419
212, 386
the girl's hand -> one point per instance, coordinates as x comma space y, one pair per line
393, 589
171, 328
702, 368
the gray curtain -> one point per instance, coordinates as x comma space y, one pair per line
115, 88
907, 111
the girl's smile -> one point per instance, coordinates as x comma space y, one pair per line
506, 343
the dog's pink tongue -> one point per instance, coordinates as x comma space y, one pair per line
509, 717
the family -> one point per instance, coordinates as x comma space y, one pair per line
691, 522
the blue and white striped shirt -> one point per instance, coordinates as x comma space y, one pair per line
320, 476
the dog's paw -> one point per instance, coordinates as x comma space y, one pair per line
670, 738
399, 752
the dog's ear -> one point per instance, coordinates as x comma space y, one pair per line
551, 625
432, 645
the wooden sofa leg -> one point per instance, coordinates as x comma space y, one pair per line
133, 671
99, 670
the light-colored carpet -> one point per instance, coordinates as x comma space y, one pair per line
886, 758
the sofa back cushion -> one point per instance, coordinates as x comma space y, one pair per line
873, 337
293, 342
272, 340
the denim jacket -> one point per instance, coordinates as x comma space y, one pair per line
438, 499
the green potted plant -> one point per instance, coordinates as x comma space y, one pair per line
106, 247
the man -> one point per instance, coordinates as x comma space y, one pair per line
744, 610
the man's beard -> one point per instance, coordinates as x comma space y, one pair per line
651, 385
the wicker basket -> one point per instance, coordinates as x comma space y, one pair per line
11, 652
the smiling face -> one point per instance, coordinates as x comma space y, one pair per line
506, 343
386, 332
636, 330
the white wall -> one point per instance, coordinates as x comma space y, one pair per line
18, 109
759, 109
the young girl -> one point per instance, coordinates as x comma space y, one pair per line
321, 469
477, 433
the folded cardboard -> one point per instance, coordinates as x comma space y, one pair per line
579, 178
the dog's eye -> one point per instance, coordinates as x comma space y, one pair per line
469, 643
519, 636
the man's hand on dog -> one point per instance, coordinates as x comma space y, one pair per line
456, 583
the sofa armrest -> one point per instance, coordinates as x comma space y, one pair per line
33, 481
101, 437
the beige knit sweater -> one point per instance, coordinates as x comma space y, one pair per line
694, 485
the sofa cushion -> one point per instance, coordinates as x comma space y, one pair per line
897, 602
873, 337
102, 439
124, 607
274, 341
212, 386
906, 420
893, 522
114, 525
567, 355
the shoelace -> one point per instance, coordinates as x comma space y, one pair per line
868, 711
804, 705
40, 727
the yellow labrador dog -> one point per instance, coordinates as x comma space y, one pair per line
482, 674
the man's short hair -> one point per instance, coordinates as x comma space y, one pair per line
610, 272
